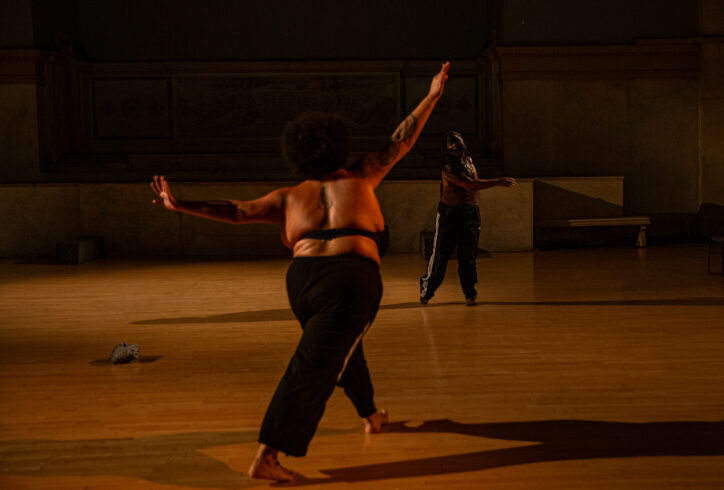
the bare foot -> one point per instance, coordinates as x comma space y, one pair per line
374, 422
266, 466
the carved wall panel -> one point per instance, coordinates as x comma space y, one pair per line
231, 114
131, 108
257, 107
458, 110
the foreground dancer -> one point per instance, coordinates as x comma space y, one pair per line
334, 226
457, 224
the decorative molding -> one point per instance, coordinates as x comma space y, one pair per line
241, 107
131, 108
258, 106
51, 73
23, 66
265, 68
657, 60
459, 109
593, 178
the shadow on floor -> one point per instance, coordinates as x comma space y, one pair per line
558, 440
174, 459
285, 314
703, 301
177, 459
141, 360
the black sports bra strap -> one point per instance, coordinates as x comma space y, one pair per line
382, 238
332, 233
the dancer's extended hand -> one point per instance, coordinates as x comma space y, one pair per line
438, 81
506, 181
160, 187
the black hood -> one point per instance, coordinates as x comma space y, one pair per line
455, 154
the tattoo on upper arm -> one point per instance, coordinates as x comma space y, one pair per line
381, 159
405, 129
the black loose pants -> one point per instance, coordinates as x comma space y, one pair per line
455, 227
335, 299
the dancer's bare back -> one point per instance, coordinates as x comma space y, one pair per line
343, 199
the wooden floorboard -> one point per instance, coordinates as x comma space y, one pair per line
579, 369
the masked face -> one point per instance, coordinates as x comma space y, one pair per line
454, 144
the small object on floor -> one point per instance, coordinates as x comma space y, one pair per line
470, 301
79, 251
124, 353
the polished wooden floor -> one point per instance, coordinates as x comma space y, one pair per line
579, 369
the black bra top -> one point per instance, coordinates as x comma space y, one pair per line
382, 238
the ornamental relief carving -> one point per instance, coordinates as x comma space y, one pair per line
131, 108
240, 107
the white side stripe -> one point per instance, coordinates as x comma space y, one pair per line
432, 257
349, 354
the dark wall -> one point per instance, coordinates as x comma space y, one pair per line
53, 17
530, 22
135, 30
329, 31
139, 30
16, 24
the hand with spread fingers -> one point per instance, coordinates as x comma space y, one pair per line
161, 188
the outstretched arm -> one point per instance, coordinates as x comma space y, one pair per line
477, 184
377, 164
266, 209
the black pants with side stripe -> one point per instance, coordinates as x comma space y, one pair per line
335, 299
455, 227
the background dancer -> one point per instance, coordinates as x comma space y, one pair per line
457, 223
333, 223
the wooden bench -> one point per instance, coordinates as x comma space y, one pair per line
640, 221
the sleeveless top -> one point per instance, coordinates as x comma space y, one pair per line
381, 238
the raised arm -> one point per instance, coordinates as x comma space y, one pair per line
476, 184
377, 164
266, 209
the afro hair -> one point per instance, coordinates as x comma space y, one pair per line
315, 144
